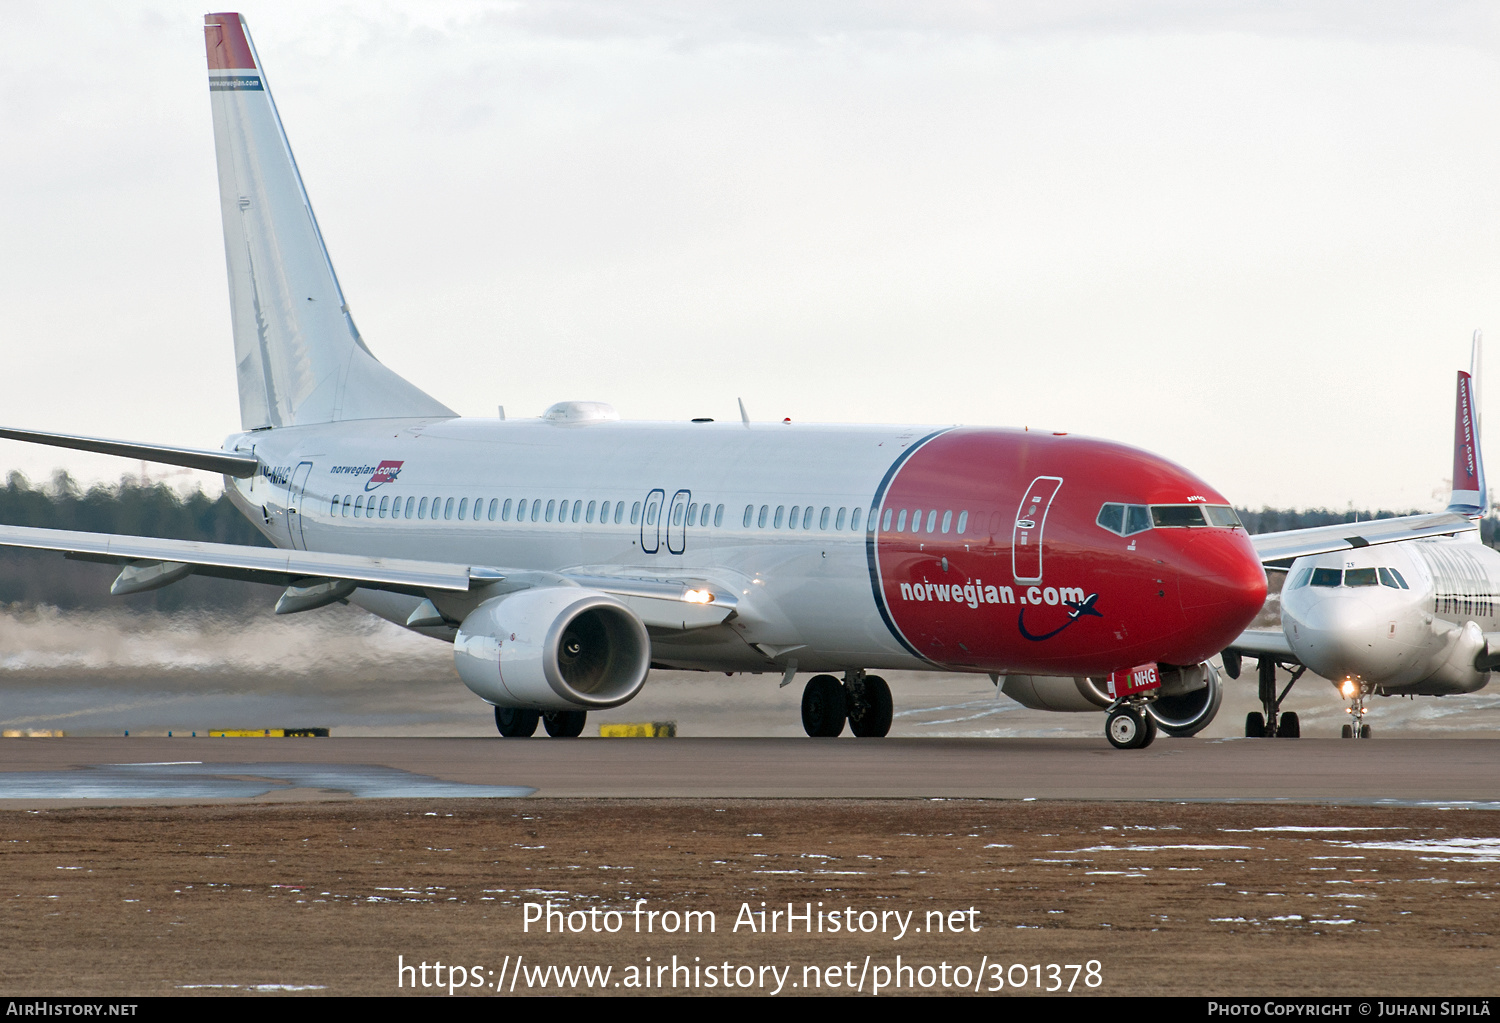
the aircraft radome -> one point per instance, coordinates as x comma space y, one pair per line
1418, 617
565, 556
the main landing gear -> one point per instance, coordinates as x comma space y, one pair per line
1355, 692
521, 724
1270, 722
863, 701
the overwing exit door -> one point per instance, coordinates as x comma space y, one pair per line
294, 505
1031, 520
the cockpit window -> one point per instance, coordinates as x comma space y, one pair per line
1327, 576
1168, 515
1222, 515
1124, 519
1360, 577
1302, 578
1392, 578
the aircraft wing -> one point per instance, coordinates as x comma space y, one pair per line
1263, 643
1297, 543
315, 578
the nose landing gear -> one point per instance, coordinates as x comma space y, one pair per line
1355, 692
1129, 726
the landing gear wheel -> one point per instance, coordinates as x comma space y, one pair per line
1289, 727
824, 709
516, 724
1347, 732
1128, 728
1364, 731
869, 707
1255, 725
565, 724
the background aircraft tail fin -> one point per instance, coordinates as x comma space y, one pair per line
298, 355
1470, 496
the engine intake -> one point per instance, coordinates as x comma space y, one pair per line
553, 648
1190, 697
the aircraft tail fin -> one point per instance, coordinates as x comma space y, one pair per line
1470, 495
298, 356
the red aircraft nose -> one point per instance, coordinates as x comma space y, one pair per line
1222, 586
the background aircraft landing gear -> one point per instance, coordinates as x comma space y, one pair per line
1271, 722
1355, 693
564, 724
1130, 727
824, 709
867, 700
516, 724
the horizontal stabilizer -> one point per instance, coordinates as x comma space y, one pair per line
1344, 536
240, 466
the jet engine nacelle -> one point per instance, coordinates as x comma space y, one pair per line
1055, 692
553, 648
1190, 697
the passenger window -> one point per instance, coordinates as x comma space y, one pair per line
551, 507
963, 522
900, 520
1112, 518
947, 520
505, 511
358, 501
760, 522
409, 502
333, 509
1327, 576
635, 512
792, 519
620, 511
383, 502
448, 509
604, 513
718, 516
651, 515
495, 507
536, 510
838, 520
1360, 577
886, 525
677, 515
521, 510
577, 510
693, 514
807, 517
854, 522
588, 514
916, 520
780, 515
749, 509
422, 509
823, 518
463, 508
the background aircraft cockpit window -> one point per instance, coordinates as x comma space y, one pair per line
1172, 515
1392, 578
1222, 515
1327, 576
1360, 577
1302, 579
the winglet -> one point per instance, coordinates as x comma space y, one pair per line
1470, 496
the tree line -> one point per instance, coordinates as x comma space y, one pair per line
30, 578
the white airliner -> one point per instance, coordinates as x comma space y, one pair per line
1420, 617
565, 556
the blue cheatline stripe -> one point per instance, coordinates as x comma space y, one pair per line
235, 83
870, 526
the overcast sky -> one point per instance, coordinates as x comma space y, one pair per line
1251, 237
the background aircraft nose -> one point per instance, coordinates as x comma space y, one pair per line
1336, 635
